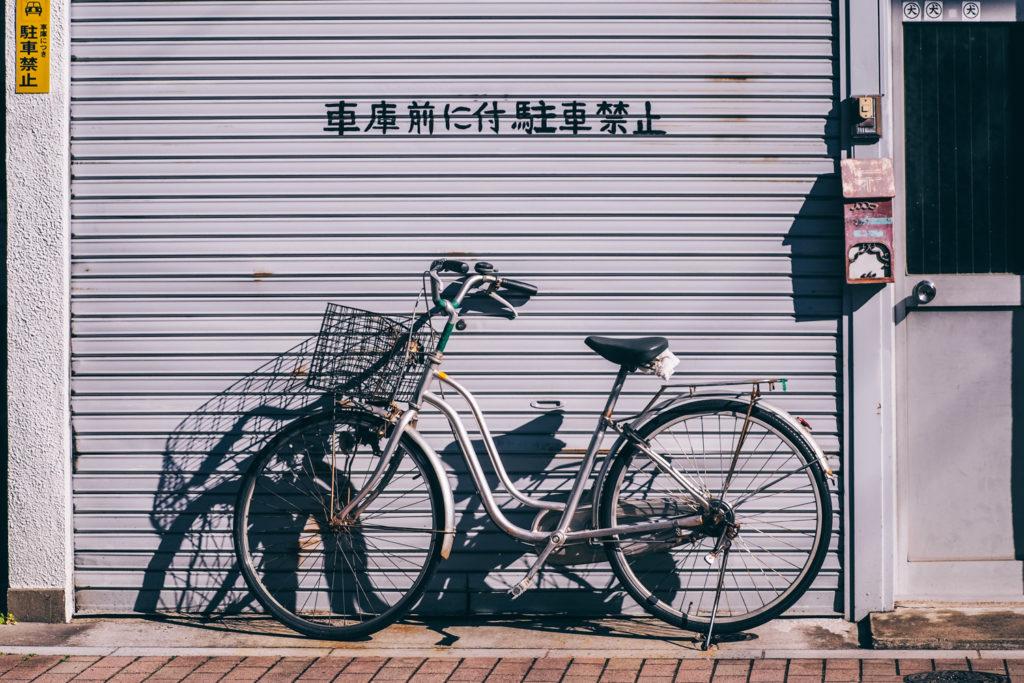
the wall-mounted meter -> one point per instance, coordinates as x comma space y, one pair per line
867, 117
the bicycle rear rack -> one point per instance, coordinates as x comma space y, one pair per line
689, 390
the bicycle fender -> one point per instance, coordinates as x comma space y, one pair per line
802, 431
446, 490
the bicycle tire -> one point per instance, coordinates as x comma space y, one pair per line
778, 495
315, 574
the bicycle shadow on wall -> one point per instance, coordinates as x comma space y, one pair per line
193, 569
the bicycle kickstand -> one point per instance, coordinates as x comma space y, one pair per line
718, 594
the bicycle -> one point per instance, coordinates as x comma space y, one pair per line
713, 510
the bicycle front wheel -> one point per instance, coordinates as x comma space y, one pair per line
776, 496
319, 573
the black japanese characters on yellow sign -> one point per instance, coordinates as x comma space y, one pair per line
32, 40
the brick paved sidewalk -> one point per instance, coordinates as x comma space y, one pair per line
56, 669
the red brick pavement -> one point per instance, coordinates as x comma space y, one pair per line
197, 669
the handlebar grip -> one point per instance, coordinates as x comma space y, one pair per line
519, 286
450, 266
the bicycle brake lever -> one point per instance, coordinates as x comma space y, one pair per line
497, 297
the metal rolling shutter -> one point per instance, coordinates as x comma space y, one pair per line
213, 216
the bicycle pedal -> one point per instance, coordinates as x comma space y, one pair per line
518, 589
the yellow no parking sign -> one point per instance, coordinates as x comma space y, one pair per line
32, 42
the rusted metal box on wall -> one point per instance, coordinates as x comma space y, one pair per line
868, 189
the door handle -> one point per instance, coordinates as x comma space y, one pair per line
924, 291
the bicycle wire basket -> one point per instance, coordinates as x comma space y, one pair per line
367, 356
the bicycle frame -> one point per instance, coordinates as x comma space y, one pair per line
562, 533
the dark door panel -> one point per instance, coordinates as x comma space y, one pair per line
964, 89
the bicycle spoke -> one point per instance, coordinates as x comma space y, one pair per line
758, 490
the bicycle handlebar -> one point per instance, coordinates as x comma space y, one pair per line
450, 266
471, 282
518, 286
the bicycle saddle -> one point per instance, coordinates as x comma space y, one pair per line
631, 353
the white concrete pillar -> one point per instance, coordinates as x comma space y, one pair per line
869, 437
38, 325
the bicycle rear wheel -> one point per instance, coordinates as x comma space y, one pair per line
317, 573
777, 496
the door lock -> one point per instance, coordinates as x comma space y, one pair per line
924, 291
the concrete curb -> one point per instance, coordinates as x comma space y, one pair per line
499, 637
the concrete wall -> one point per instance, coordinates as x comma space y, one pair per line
39, 457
